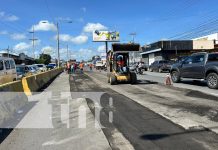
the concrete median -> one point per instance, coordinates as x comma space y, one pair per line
12, 98
35, 82
14, 95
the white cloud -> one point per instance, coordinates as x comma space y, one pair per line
84, 54
22, 47
81, 39
18, 36
4, 32
47, 50
44, 25
101, 49
90, 27
64, 37
7, 17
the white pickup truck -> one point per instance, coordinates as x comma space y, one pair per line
100, 65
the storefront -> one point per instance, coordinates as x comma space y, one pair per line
172, 50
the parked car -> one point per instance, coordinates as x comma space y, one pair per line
21, 72
41, 67
51, 66
160, 66
32, 69
7, 70
199, 66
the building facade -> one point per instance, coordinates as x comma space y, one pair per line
18, 58
171, 50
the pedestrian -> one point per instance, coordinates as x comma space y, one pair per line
68, 67
90, 67
81, 65
72, 68
75, 67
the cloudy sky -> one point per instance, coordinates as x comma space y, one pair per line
150, 20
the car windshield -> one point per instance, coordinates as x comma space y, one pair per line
213, 57
20, 69
31, 68
40, 66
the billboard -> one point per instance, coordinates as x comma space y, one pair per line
104, 36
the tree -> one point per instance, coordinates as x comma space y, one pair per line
44, 59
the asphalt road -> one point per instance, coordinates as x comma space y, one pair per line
144, 116
185, 83
143, 128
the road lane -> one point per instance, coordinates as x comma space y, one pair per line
142, 127
188, 108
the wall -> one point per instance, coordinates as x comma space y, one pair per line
203, 45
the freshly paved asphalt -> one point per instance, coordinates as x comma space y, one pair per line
143, 128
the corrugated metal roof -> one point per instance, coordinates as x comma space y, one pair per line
11, 53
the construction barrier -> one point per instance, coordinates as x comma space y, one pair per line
35, 82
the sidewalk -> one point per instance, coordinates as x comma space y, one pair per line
41, 128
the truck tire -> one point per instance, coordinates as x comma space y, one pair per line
212, 80
175, 76
133, 78
113, 79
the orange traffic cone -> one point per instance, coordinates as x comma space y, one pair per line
168, 80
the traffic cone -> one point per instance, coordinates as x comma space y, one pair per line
168, 80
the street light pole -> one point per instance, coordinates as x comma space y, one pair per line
58, 44
58, 41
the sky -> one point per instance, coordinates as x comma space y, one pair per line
151, 20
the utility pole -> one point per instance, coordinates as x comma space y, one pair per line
67, 53
8, 51
133, 34
33, 41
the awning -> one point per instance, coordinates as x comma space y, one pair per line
152, 51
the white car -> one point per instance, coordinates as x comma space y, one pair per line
41, 67
7, 70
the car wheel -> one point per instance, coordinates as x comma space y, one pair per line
113, 79
212, 80
175, 76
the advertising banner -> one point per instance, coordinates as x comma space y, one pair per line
106, 36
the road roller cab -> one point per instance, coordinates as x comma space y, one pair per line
118, 63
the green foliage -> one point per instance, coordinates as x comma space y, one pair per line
44, 59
